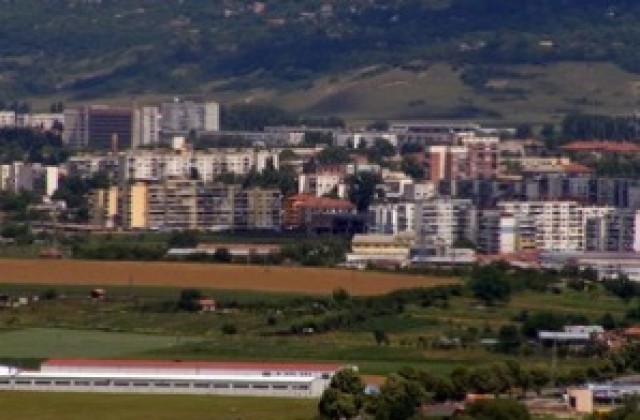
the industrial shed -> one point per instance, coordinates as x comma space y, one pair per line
171, 377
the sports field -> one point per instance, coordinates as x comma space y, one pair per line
56, 406
211, 276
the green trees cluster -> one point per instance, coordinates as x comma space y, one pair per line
406, 391
344, 398
604, 127
21, 144
120, 251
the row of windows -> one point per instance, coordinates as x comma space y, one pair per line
155, 384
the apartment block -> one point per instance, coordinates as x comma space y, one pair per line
205, 166
185, 116
104, 207
392, 218
559, 225
177, 204
146, 126
299, 210
98, 127
444, 222
133, 205
469, 157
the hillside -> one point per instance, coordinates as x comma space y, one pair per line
84, 49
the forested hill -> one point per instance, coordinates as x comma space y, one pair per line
92, 47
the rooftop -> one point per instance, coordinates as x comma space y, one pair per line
175, 364
601, 146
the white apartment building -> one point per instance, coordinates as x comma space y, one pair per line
442, 222
559, 224
146, 126
362, 139
155, 165
393, 218
184, 116
321, 184
51, 177
497, 232
5, 177
7, 119
44, 121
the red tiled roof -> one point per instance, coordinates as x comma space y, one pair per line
576, 168
152, 364
601, 146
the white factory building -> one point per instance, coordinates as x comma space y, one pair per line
173, 377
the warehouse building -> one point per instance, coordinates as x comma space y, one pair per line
173, 377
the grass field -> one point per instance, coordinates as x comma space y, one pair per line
56, 406
211, 276
64, 343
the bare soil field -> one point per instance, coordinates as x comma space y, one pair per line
212, 276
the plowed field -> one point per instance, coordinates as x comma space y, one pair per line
212, 276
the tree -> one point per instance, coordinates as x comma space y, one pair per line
413, 168
340, 296
520, 377
540, 377
222, 255
490, 285
362, 189
229, 329
381, 337
399, 398
333, 155
524, 131
630, 409
188, 300
498, 409
380, 149
344, 397
183, 239
509, 339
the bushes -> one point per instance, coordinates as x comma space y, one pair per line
121, 251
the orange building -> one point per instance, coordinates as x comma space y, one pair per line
299, 209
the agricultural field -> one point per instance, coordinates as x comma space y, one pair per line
38, 343
147, 323
54, 406
211, 276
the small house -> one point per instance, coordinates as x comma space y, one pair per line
207, 305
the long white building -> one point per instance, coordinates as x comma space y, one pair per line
171, 377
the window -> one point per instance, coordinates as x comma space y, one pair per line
63, 383
162, 384
281, 387
141, 384
181, 385
240, 386
82, 383
43, 382
221, 386
260, 386
102, 383
5, 382
201, 385
23, 382
121, 383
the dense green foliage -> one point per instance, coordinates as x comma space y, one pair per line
18, 144
141, 46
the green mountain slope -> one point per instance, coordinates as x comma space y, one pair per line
86, 49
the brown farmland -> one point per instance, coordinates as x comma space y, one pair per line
213, 276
